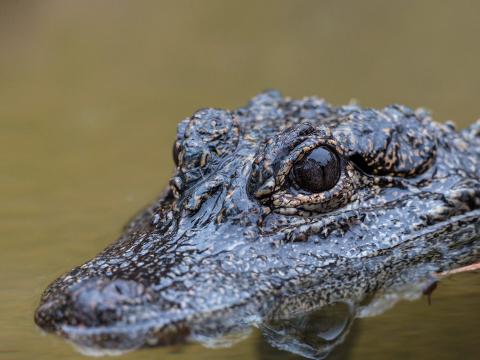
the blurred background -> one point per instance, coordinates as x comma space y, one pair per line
91, 92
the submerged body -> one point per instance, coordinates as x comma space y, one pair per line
278, 209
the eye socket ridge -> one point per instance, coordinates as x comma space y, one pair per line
293, 197
278, 175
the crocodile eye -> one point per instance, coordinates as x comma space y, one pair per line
318, 171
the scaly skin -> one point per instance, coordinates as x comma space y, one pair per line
235, 241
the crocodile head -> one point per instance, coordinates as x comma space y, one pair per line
275, 209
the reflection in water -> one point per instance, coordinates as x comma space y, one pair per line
293, 329
320, 332
340, 349
313, 335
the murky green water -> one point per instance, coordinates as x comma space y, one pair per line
91, 91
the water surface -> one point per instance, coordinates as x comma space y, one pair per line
90, 94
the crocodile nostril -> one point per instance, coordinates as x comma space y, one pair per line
90, 303
49, 314
99, 301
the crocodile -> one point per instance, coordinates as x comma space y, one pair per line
276, 209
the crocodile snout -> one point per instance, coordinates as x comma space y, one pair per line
91, 302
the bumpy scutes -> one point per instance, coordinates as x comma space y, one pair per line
235, 240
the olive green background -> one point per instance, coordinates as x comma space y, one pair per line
90, 94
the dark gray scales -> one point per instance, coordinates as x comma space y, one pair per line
276, 209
